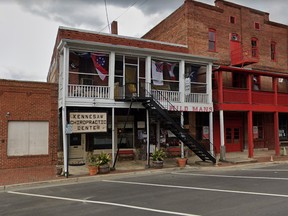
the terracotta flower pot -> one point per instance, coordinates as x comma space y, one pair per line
93, 170
182, 162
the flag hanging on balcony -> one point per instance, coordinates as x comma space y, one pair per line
170, 68
157, 73
99, 61
193, 73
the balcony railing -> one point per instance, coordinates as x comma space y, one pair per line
196, 98
103, 92
241, 96
172, 96
88, 91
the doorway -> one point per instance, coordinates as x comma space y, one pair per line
233, 137
131, 76
76, 147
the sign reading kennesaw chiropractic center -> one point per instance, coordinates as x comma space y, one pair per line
88, 122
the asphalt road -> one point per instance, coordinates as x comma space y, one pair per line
217, 192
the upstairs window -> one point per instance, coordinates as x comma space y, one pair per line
273, 51
212, 40
232, 20
254, 47
257, 25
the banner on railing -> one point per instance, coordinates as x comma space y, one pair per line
88, 122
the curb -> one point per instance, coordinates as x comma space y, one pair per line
100, 177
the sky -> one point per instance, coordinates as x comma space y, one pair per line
28, 28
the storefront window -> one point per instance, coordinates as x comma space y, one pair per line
96, 141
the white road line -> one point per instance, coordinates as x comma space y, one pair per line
198, 188
229, 176
102, 203
265, 170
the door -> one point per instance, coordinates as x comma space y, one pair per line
233, 138
130, 80
76, 147
235, 48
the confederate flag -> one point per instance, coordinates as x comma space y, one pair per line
99, 61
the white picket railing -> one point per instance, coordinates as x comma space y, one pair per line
196, 98
162, 95
88, 91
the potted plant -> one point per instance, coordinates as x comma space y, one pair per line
158, 158
182, 162
103, 162
92, 163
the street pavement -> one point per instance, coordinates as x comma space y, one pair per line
248, 189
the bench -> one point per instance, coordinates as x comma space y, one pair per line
126, 153
173, 151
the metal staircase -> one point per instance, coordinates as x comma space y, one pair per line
158, 110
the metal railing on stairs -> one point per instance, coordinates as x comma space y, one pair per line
161, 107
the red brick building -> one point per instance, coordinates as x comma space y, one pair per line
28, 131
250, 76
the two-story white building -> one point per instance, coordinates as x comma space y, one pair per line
119, 92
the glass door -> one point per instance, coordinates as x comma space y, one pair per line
131, 76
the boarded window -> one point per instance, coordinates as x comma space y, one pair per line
27, 138
212, 40
273, 51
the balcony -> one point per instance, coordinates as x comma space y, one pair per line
241, 57
241, 96
88, 91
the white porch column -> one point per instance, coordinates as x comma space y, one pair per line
182, 80
148, 74
211, 137
64, 66
113, 135
209, 92
111, 74
222, 134
209, 82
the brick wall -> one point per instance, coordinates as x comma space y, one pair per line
201, 17
28, 101
173, 29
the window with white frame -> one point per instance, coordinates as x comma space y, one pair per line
165, 75
28, 138
88, 68
196, 76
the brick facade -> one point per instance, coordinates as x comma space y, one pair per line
193, 19
28, 101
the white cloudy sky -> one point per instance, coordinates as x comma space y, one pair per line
29, 27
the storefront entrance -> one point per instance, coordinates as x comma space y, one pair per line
233, 137
76, 148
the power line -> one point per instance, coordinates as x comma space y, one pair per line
107, 16
120, 14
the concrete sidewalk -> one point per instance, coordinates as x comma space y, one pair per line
34, 175
193, 161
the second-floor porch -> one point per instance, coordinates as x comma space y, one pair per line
111, 77
245, 89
